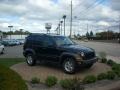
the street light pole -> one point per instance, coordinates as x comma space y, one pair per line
64, 17
10, 30
21, 30
75, 29
61, 26
57, 31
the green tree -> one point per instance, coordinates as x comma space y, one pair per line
91, 34
87, 34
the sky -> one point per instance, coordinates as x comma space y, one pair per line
31, 15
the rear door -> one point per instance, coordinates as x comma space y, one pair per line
37, 45
51, 52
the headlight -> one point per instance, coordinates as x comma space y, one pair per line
82, 54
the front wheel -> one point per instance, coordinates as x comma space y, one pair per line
69, 65
30, 60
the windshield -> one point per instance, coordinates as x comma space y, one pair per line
60, 40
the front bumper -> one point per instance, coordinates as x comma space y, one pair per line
89, 61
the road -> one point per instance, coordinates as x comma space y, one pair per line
111, 49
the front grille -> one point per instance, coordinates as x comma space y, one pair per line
89, 55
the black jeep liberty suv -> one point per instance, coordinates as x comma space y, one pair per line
57, 49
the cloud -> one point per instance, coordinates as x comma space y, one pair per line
33, 14
115, 4
103, 23
12, 10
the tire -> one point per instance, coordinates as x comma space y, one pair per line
30, 60
69, 65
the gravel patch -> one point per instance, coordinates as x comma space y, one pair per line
42, 71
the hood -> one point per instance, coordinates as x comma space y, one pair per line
78, 48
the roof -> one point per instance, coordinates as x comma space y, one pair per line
49, 34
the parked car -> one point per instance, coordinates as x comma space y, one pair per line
5, 43
1, 48
21, 41
8, 43
58, 50
16, 42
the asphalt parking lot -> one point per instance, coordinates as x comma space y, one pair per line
13, 52
111, 49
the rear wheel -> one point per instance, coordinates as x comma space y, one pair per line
30, 60
69, 65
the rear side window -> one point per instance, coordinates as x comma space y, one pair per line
38, 40
29, 40
48, 41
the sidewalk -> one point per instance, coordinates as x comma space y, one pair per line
100, 85
107, 85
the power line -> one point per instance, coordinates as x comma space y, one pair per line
96, 3
83, 3
78, 5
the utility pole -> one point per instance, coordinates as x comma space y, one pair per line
10, 30
71, 22
119, 30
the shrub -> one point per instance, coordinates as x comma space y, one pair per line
116, 67
111, 75
102, 54
66, 83
103, 60
35, 80
101, 76
50, 81
117, 73
89, 79
110, 62
71, 84
10, 80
